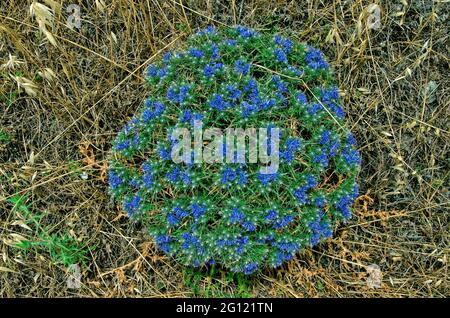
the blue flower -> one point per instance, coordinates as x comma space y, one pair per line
250, 268
124, 145
185, 178
198, 210
147, 168
336, 109
180, 213
191, 241
166, 57
292, 144
351, 139
283, 222
218, 102
136, 139
134, 182
245, 32
236, 216
211, 262
325, 137
281, 87
321, 158
152, 110
344, 203
233, 92
241, 242
114, 179
271, 215
214, 52
163, 242
320, 229
281, 257
186, 116
355, 191
183, 93
228, 175
267, 104
177, 95
164, 153
230, 42
131, 205
248, 109
310, 182
241, 67
152, 71
281, 56
174, 174
314, 108
241, 176
268, 177
351, 156
295, 70
285, 43
315, 60
329, 95
209, 30
301, 98
300, 195
172, 94
251, 89
176, 215
320, 201
196, 53
162, 72
130, 126
288, 156
172, 219
249, 226
289, 247
148, 177
211, 69
189, 117
333, 149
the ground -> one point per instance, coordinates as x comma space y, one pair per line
65, 93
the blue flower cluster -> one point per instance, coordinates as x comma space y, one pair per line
177, 94
301, 193
229, 213
315, 59
233, 176
320, 229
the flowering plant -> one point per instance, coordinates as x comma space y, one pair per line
231, 213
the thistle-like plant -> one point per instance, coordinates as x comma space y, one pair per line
231, 213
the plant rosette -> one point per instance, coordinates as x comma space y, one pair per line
230, 212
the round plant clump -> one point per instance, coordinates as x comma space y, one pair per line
231, 213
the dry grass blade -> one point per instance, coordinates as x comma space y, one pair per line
48, 74
27, 85
11, 63
45, 18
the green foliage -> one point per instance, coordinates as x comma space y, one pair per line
231, 213
62, 248
217, 283
4, 137
9, 98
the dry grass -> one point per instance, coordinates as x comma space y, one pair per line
66, 92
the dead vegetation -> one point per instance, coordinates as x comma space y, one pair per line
65, 92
